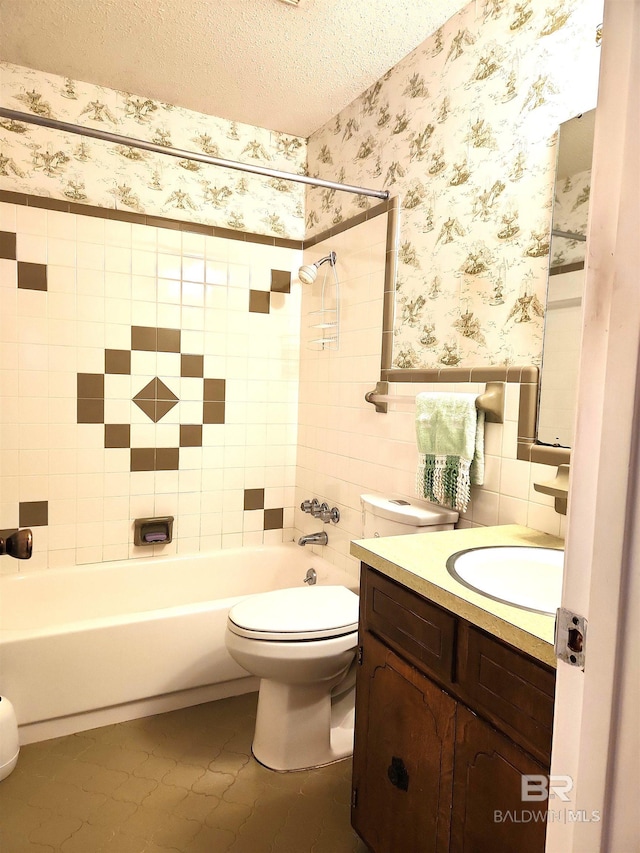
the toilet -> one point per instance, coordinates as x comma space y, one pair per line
384, 516
301, 643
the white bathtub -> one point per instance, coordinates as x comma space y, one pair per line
98, 644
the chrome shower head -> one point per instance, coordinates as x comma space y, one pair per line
309, 272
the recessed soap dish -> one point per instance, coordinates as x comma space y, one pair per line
153, 531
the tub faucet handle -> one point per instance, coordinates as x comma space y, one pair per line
316, 508
326, 515
18, 544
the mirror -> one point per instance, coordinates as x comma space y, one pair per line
563, 316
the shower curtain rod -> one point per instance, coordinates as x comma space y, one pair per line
129, 141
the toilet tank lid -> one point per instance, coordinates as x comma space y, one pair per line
297, 610
406, 512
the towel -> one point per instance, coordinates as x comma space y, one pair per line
450, 436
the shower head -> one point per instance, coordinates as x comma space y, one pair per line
309, 272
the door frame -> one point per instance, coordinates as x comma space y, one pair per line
596, 717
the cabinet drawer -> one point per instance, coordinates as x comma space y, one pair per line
507, 687
410, 624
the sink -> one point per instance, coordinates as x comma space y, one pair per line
525, 577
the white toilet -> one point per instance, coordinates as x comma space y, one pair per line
301, 643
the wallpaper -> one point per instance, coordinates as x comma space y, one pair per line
45, 162
570, 210
464, 130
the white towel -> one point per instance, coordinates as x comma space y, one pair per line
450, 437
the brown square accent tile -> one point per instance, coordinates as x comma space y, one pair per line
254, 498
190, 435
259, 301
32, 276
214, 390
213, 413
117, 361
167, 458
144, 338
33, 513
168, 340
117, 435
90, 411
280, 281
8, 245
143, 459
274, 519
192, 365
90, 385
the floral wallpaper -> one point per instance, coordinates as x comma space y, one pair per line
49, 163
464, 130
570, 210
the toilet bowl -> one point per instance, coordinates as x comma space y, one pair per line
301, 643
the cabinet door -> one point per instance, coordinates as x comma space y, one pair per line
403, 756
488, 812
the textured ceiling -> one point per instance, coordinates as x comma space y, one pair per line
263, 62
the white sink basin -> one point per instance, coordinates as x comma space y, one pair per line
530, 578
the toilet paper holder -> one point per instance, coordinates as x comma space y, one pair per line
153, 531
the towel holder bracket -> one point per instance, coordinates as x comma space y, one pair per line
491, 402
379, 397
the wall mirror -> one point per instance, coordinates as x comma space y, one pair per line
563, 318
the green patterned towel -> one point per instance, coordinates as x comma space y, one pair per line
450, 435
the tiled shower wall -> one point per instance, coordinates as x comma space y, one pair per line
144, 371
346, 449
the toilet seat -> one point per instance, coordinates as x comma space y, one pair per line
301, 613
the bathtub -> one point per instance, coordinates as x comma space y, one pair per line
98, 644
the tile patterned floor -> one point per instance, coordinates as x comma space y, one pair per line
183, 781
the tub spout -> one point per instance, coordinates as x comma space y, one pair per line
320, 538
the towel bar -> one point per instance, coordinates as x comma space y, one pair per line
491, 402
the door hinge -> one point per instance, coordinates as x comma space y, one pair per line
354, 798
571, 637
360, 655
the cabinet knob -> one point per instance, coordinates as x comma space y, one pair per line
397, 774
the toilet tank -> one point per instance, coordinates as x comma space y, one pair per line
385, 516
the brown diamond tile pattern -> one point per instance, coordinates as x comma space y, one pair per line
190, 435
90, 403
213, 407
117, 435
155, 458
117, 361
155, 399
192, 365
152, 339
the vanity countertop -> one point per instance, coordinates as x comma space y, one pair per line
418, 562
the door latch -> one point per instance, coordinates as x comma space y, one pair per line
571, 637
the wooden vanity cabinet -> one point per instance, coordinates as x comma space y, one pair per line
448, 719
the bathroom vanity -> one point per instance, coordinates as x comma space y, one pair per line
454, 702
